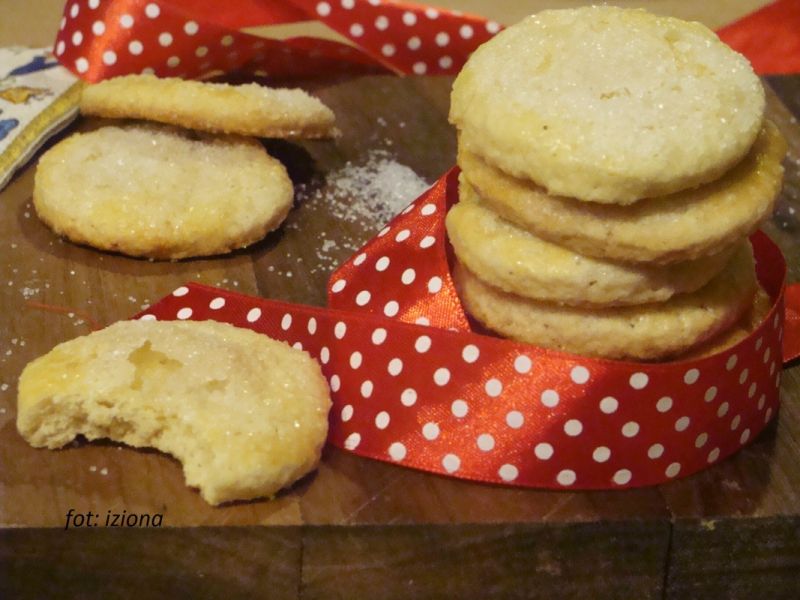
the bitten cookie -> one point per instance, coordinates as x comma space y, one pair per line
516, 261
644, 332
607, 104
246, 415
161, 192
248, 109
682, 226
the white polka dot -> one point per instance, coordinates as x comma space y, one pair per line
62, 24
402, 235
77, 38
431, 13
743, 375
201, 51
323, 9
772, 368
152, 10
630, 429
543, 451
761, 401
515, 419
609, 405
379, 336
622, 477
325, 355
382, 263
655, 451
522, 364
355, 360
711, 393
148, 318
93, 4
445, 62
409, 18
408, 397
165, 39
397, 451
493, 387
470, 353
312, 326
701, 440
751, 391
391, 308
428, 209
388, 50
492, 27
638, 381
601, 454
731, 362
109, 57
430, 431
550, 398
682, 424
338, 286
442, 39
573, 427
286, 321
459, 408
191, 28
227, 40
363, 297
366, 388
382, 23
723, 409
673, 469
347, 413
414, 43
73, 11
441, 376
395, 367
735, 422
566, 477
745, 436
766, 356
253, 315
148, 71
352, 441
691, 376
768, 415
360, 258
184, 313
173, 61
428, 240
419, 68
98, 28
422, 321
434, 284
60, 48
181, 291
759, 341
508, 472
356, 30
382, 420
384, 231
216, 303
579, 375
451, 463
408, 276
713, 455
423, 344
485, 442
297, 345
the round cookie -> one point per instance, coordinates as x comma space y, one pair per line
645, 332
607, 104
679, 227
196, 390
248, 109
515, 261
161, 192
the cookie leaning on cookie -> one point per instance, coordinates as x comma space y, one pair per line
246, 415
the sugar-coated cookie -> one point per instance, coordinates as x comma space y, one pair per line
682, 226
245, 414
514, 260
248, 109
161, 192
645, 332
608, 104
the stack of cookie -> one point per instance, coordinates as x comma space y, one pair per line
190, 182
613, 164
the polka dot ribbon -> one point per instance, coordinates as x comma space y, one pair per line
413, 385
98, 39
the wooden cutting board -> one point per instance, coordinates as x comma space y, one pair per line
54, 290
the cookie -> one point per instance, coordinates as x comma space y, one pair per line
196, 390
248, 109
682, 226
607, 104
514, 260
161, 192
644, 332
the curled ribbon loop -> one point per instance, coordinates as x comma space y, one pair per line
445, 399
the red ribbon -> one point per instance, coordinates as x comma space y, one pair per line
478, 407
